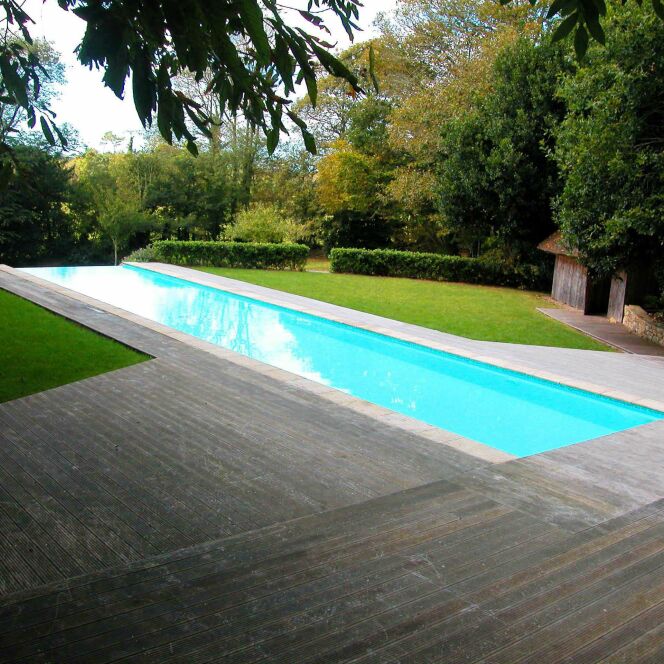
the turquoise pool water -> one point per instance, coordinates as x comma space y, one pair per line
513, 412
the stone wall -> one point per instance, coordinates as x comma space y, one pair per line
639, 322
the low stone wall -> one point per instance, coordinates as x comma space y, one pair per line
639, 322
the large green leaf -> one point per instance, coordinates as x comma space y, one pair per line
252, 17
48, 134
566, 27
581, 42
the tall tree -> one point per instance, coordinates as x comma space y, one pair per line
34, 222
453, 46
111, 197
349, 184
496, 175
610, 147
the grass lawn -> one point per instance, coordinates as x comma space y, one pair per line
477, 312
318, 264
41, 350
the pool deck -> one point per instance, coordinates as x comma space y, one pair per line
600, 328
198, 507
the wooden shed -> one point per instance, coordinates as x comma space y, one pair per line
573, 285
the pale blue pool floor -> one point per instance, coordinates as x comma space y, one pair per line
518, 414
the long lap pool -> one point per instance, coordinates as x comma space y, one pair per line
510, 411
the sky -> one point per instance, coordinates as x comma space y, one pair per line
92, 108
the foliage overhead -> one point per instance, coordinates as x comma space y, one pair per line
584, 20
250, 53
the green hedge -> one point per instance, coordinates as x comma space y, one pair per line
391, 263
261, 256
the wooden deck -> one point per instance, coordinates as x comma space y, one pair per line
187, 509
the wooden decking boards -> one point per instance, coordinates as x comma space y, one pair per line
189, 509
467, 581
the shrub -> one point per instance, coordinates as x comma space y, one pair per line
263, 223
391, 263
144, 255
233, 254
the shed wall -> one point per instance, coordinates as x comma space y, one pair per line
570, 282
617, 297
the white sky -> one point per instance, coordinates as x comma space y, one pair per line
93, 109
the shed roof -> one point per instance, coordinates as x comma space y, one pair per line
555, 244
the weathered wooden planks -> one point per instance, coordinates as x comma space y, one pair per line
441, 576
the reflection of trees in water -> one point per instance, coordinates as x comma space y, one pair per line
271, 336
241, 326
240, 321
222, 320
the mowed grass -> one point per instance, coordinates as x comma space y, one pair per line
318, 264
477, 312
40, 350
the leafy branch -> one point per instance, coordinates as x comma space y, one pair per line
584, 18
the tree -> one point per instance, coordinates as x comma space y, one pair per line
263, 223
438, 37
497, 179
111, 197
584, 19
379, 70
34, 223
191, 197
13, 116
16, 125
250, 49
112, 140
287, 181
451, 47
610, 147
349, 184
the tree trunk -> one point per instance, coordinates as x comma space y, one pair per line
115, 252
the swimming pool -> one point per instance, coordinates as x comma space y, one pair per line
513, 412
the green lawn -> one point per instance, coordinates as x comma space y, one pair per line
40, 350
318, 264
476, 312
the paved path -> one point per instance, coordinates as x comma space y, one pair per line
599, 327
191, 508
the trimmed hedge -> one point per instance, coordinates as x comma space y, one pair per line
262, 256
438, 267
